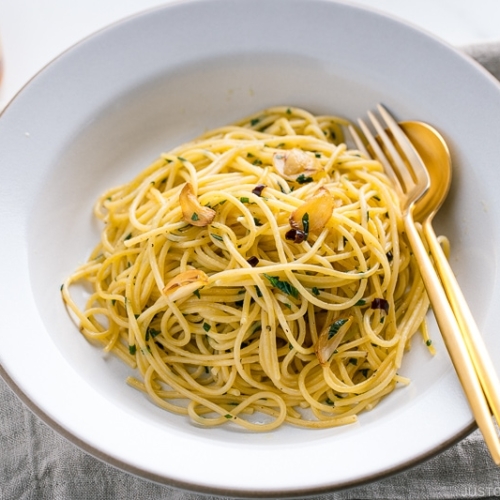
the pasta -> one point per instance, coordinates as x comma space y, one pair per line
256, 275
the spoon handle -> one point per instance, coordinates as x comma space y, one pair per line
470, 332
454, 340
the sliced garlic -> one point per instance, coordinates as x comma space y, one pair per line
192, 211
293, 163
319, 209
330, 338
185, 284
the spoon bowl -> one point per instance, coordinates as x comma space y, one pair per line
436, 156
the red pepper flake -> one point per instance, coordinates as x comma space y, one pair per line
296, 235
253, 261
380, 304
258, 189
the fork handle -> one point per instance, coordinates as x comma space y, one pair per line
470, 332
454, 341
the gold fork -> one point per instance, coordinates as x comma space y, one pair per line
411, 181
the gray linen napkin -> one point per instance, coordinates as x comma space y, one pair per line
487, 54
38, 464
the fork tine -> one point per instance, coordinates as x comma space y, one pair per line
414, 159
379, 154
401, 168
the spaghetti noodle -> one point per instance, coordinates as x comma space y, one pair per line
258, 275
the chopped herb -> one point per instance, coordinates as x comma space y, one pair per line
250, 155
305, 224
206, 327
228, 416
253, 261
288, 111
197, 293
152, 333
132, 349
217, 237
284, 286
380, 304
244, 199
258, 189
288, 305
335, 327
194, 216
429, 342
317, 155
329, 402
254, 121
315, 291
181, 158
257, 221
302, 179
360, 302
129, 235
257, 162
257, 289
257, 327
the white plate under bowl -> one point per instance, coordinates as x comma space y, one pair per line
104, 109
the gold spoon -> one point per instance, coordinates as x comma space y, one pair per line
436, 157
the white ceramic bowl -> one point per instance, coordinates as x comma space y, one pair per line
104, 109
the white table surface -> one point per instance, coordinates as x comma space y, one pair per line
33, 32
